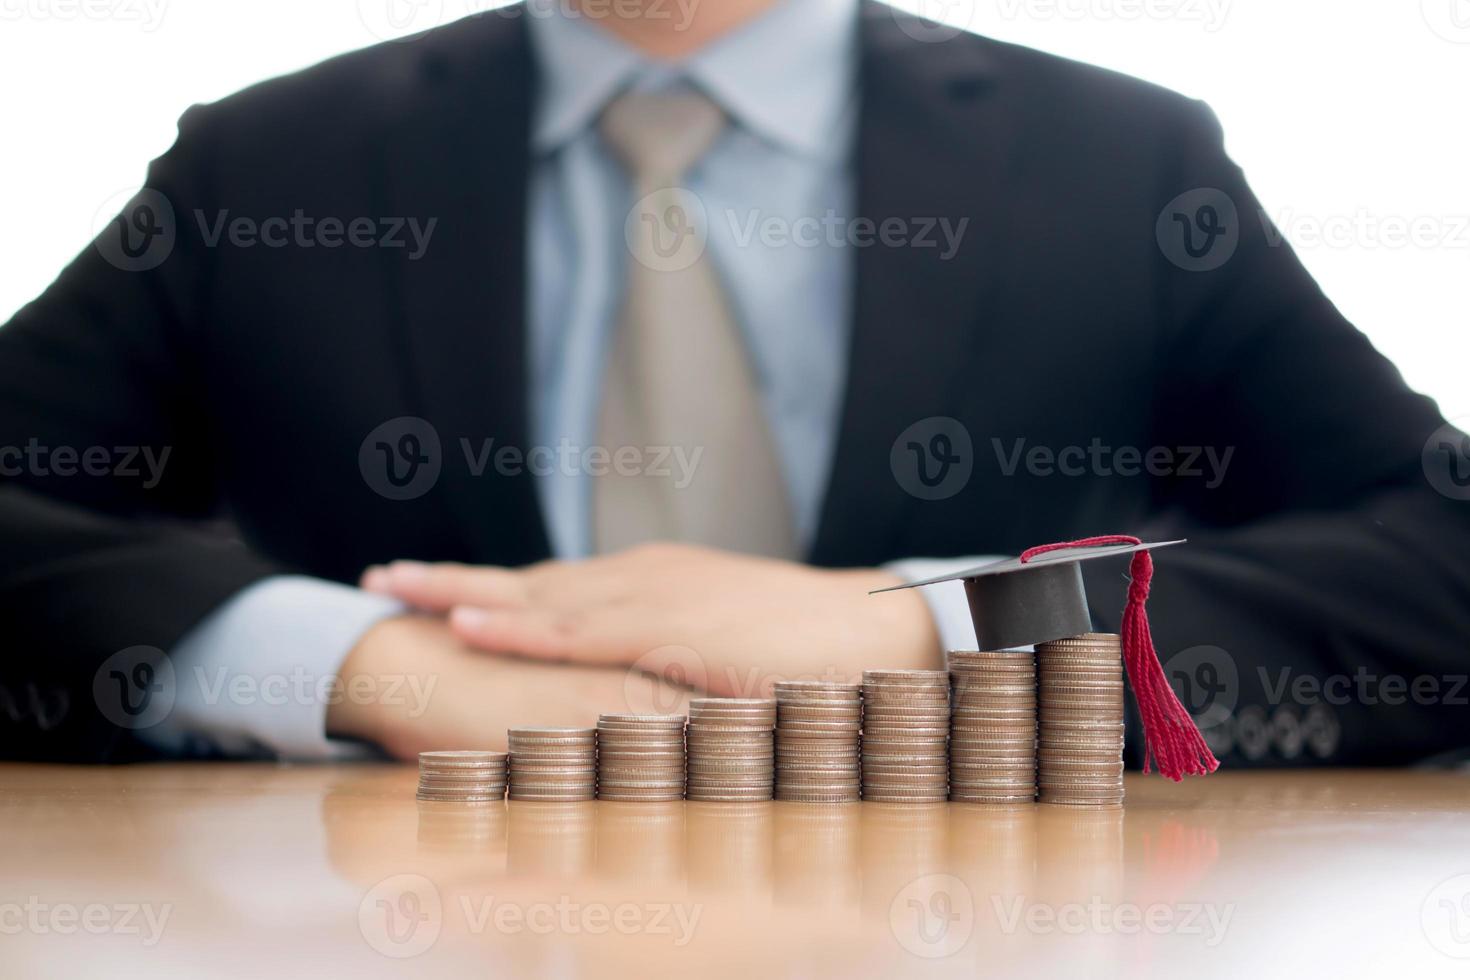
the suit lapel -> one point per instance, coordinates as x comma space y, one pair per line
457, 151
931, 145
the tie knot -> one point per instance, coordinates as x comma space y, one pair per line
660, 136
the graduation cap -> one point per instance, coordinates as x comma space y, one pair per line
1038, 597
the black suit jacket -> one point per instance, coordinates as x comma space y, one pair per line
1060, 321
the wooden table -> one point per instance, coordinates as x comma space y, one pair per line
262, 871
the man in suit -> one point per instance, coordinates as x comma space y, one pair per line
398, 407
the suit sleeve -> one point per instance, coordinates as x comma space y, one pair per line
109, 544
1321, 612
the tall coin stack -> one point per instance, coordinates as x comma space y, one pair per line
640, 757
905, 747
817, 741
557, 764
992, 736
466, 776
730, 749
1080, 711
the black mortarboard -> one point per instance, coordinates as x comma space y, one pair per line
1038, 597
1015, 603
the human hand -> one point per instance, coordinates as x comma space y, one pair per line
727, 623
472, 698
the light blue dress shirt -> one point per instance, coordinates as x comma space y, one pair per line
773, 185
787, 83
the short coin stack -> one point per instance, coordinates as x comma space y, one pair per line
817, 741
466, 776
557, 764
992, 737
905, 748
640, 757
1080, 712
730, 749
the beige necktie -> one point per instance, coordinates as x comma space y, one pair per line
678, 376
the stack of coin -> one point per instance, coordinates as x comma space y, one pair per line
992, 735
466, 776
1080, 714
553, 764
905, 748
817, 741
730, 749
640, 757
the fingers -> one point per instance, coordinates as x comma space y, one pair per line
522, 632
441, 586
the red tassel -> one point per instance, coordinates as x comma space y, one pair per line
1171, 739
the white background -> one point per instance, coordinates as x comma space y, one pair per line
1351, 117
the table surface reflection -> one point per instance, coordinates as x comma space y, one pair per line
249, 870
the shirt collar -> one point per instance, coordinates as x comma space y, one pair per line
788, 76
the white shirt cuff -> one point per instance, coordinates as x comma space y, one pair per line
947, 603
257, 675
